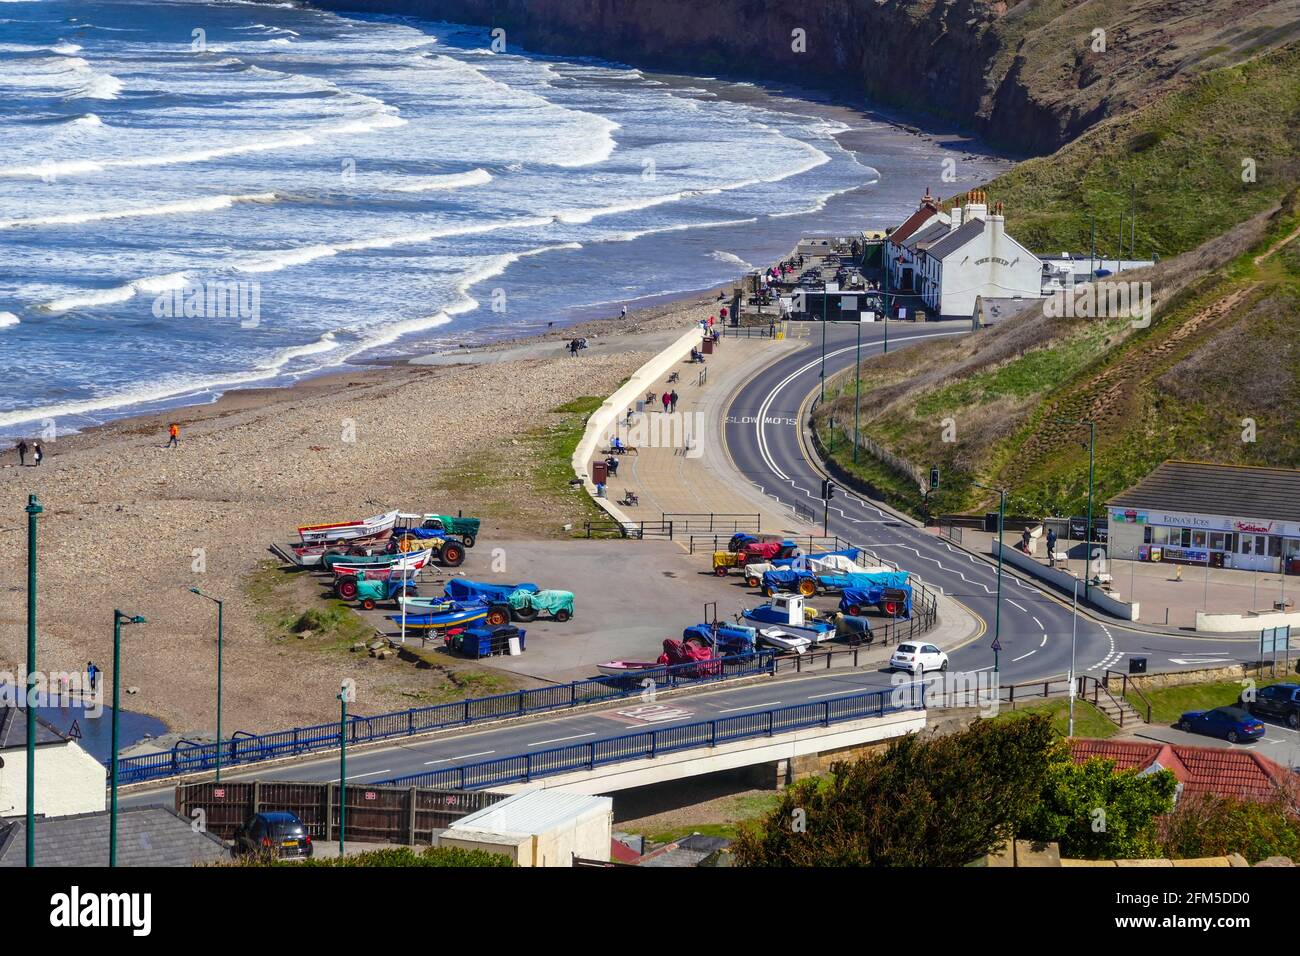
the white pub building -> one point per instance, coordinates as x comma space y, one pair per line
1227, 516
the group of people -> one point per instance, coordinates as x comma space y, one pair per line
577, 345
670, 401
37, 452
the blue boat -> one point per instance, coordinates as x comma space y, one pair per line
465, 590
783, 624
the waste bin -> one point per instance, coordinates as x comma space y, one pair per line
1137, 665
708, 345
991, 522
599, 473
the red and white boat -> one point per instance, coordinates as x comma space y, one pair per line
409, 561
348, 530
623, 668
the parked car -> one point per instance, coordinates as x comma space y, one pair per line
1231, 723
917, 658
277, 832
1280, 701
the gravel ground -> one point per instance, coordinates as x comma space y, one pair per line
131, 524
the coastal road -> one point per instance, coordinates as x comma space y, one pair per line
463, 747
762, 430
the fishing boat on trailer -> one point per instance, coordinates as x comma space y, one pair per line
626, 668
392, 564
348, 530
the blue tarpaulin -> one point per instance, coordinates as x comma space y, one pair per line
462, 589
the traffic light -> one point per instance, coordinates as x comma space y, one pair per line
828, 489
934, 478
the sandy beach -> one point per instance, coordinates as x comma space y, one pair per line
132, 524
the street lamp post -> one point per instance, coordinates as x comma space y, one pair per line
343, 767
1092, 457
884, 272
997, 613
220, 642
118, 620
1074, 636
825, 299
857, 395
33, 509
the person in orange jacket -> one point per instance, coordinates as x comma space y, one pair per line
174, 433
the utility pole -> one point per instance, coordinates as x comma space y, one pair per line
343, 767
1087, 532
884, 258
221, 607
857, 395
1074, 636
33, 509
118, 620
997, 614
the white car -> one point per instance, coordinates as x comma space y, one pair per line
916, 658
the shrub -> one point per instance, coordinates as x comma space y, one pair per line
1207, 825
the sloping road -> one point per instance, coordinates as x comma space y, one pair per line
762, 432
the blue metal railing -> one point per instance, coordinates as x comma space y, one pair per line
522, 768
244, 748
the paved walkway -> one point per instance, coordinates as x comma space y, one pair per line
1170, 594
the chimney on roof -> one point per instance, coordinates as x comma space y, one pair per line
976, 205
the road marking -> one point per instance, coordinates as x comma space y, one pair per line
1023, 656
1044, 644
770, 703
1025, 609
482, 753
374, 774
1040, 625
1198, 660
558, 740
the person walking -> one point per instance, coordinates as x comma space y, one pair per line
22, 452
623, 314
174, 435
37, 453
672, 397
92, 673
1051, 548
667, 399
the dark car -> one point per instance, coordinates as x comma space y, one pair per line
274, 832
1280, 701
1230, 723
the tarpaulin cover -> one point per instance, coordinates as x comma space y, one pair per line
460, 525
424, 534
883, 579
462, 589
731, 639
783, 579
550, 602
869, 597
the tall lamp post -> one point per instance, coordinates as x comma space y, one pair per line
1074, 637
1092, 455
997, 613
33, 509
343, 766
857, 395
118, 620
220, 642
825, 299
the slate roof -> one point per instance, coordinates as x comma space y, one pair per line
1203, 488
146, 836
932, 231
1225, 773
13, 730
957, 238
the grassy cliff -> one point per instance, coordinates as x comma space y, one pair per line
1215, 377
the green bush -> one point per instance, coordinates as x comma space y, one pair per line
397, 857
924, 802
1095, 813
1206, 825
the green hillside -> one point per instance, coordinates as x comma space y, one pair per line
1221, 352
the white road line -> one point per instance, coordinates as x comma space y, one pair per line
558, 740
1044, 644
1023, 656
1025, 609
374, 774
481, 753
1040, 625
770, 703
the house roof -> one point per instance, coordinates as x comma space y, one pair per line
146, 836
933, 230
1225, 773
957, 238
533, 812
13, 730
1203, 488
912, 223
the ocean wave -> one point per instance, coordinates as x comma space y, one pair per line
420, 184
204, 204
150, 285
730, 257
326, 343
7, 319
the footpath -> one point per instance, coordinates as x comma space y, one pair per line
682, 471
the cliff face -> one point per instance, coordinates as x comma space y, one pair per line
1028, 76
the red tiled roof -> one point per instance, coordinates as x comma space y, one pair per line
620, 852
1225, 773
913, 223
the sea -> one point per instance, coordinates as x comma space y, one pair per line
200, 196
